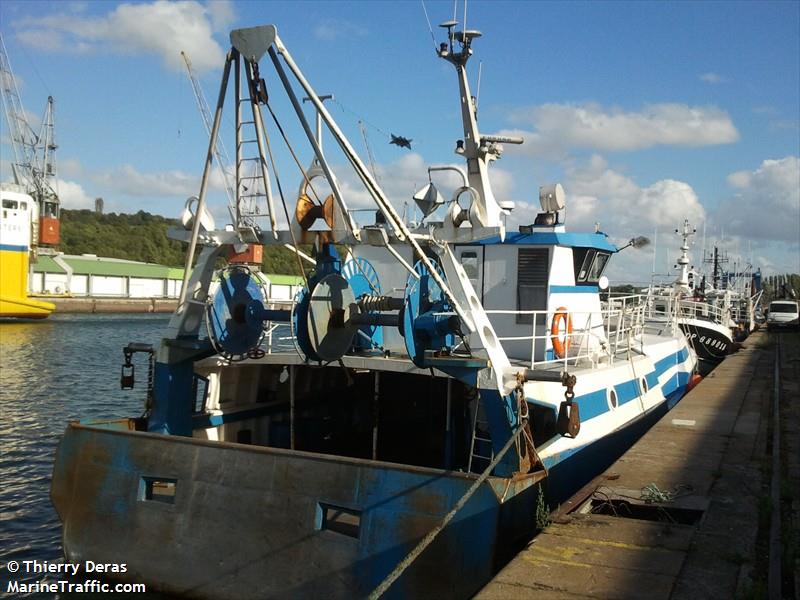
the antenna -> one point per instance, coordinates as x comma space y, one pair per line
655, 248
478, 91
430, 28
704, 238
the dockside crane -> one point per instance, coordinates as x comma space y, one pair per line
34, 166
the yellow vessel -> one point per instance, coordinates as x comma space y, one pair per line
18, 212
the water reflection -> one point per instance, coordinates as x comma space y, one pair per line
52, 372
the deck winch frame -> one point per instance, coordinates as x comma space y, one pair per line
250, 45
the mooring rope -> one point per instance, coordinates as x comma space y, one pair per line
428, 539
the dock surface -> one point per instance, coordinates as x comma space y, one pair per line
684, 513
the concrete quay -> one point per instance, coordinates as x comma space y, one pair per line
686, 512
66, 304
97, 305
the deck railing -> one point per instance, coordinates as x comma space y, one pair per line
672, 307
597, 337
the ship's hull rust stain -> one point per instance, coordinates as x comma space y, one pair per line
245, 522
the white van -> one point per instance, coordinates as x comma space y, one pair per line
783, 314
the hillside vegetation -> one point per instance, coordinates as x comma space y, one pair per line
143, 237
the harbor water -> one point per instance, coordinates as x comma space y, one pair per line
54, 371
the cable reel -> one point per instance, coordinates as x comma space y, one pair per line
345, 300
429, 324
236, 314
341, 302
364, 281
328, 262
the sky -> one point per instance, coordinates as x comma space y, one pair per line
648, 113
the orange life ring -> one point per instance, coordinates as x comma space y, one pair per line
561, 346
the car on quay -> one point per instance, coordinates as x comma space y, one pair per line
783, 314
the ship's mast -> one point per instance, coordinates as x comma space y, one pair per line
716, 260
476, 149
682, 283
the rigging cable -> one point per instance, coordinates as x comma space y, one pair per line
369, 151
280, 190
433, 37
360, 118
292, 152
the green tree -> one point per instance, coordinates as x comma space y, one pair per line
143, 237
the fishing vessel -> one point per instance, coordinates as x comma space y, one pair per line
18, 218
707, 323
436, 379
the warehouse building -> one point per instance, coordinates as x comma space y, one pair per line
92, 276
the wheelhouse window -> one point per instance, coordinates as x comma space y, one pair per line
598, 266
12, 204
589, 264
469, 260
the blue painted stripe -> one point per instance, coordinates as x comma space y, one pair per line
551, 238
574, 289
652, 380
592, 404
12, 248
672, 360
595, 403
627, 391
674, 383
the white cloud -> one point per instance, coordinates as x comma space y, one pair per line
625, 209
401, 178
558, 127
70, 167
597, 193
162, 28
222, 14
334, 29
713, 78
72, 195
766, 203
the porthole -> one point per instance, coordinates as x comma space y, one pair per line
612, 399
